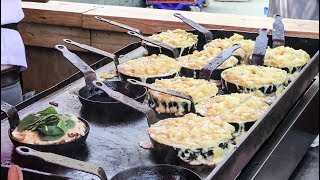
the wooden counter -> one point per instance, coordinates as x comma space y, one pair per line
57, 20
46, 24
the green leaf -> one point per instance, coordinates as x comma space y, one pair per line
48, 120
51, 130
66, 122
62, 125
50, 138
27, 121
49, 110
70, 123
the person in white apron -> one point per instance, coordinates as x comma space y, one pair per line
13, 58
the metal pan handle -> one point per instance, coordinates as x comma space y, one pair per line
260, 47
12, 114
118, 24
206, 71
277, 31
94, 50
63, 161
157, 43
207, 34
166, 91
88, 72
151, 115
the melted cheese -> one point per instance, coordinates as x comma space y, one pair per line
197, 139
255, 77
286, 57
32, 137
234, 107
150, 66
197, 60
198, 89
191, 131
244, 52
176, 38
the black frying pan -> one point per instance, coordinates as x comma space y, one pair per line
92, 98
14, 121
115, 59
156, 172
136, 32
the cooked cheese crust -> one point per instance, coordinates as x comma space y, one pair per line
32, 137
150, 66
191, 131
176, 38
250, 76
234, 107
198, 59
244, 52
286, 57
198, 89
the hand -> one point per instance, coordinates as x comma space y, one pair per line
15, 173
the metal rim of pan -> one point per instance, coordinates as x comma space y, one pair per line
113, 102
147, 79
169, 151
233, 88
149, 169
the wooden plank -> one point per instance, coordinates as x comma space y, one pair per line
44, 35
150, 21
110, 41
54, 12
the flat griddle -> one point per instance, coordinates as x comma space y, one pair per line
114, 140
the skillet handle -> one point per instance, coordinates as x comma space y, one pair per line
151, 115
88, 72
207, 34
277, 31
165, 91
157, 43
117, 24
94, 50
63, 161
12, 114
260, 48
206, 71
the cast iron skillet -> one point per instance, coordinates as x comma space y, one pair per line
216, 73
136, 32
66, 147
168, 153
257, 58
161, 171
92, 98
115, 59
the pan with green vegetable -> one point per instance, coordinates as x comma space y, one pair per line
46, 130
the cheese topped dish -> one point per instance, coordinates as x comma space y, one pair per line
286, 58
198, 89
199, 140
177, 38
47, 127
245, 50
249, 78
150, 66
198, 59
234, 107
